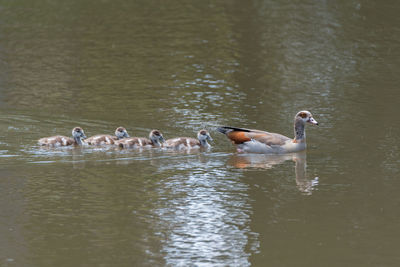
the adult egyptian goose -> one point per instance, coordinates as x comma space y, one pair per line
155, 140
104, 139
256, 141
59, 140
190, 143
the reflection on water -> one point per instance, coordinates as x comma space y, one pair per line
204, 213
304, 184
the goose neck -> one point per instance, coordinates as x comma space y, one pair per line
299, 130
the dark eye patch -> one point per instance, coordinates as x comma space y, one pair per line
303, 115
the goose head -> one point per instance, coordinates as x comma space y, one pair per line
121, 132
305, 117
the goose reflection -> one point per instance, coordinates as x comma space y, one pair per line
265, 161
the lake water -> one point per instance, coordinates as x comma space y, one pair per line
180, 66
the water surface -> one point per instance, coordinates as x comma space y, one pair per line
179, 68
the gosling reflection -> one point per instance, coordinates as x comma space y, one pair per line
264, 161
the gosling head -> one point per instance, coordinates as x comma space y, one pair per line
78, 132
156, 137
121, 132
203, 136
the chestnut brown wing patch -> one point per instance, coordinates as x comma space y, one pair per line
269, 139
238, 137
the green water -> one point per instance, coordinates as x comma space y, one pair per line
180, 66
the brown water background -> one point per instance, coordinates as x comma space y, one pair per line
180, 66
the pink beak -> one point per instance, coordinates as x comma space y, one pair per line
312, 121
